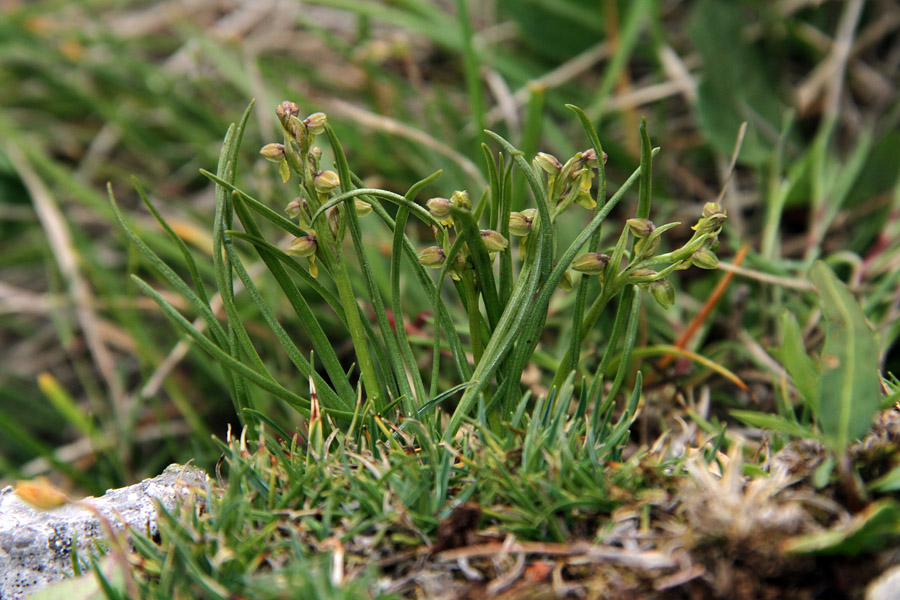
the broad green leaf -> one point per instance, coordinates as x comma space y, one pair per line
802, 369
875, 527
736, 82
850, 384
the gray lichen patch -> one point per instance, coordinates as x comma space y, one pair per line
35, 545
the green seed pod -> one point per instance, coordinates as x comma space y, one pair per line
493, 240
520, 222
325, 181
432, 257
302, 246
591, 262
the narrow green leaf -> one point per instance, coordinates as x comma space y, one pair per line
482, 262
545, 233
306, 316
179, 243
643, 210
258, 207
877, 526
772, 422
800, 366
409, 361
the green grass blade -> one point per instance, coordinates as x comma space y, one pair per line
225, 358
643, 210
329, 397
258, 207
545, 233
306, 316
396, 304
482, 262
179, 243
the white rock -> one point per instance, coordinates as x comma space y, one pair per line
36, 545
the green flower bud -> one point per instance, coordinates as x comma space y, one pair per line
663, 292
302, 246
285, 111
334, 219
646, 247
439, 208
589, 157
705, 258
296, 129
640, 228
432, 257
711, 219
273, 152
712, 208
493, 240
362, 207
591, 262
549, 163
520, 222
316, 123
293, 209
325, 181
460, 199
565, 282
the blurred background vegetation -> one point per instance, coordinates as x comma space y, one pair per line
95, 384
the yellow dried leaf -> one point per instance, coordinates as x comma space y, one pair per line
41, 494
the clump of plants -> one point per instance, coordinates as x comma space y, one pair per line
504, 294
383, 415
